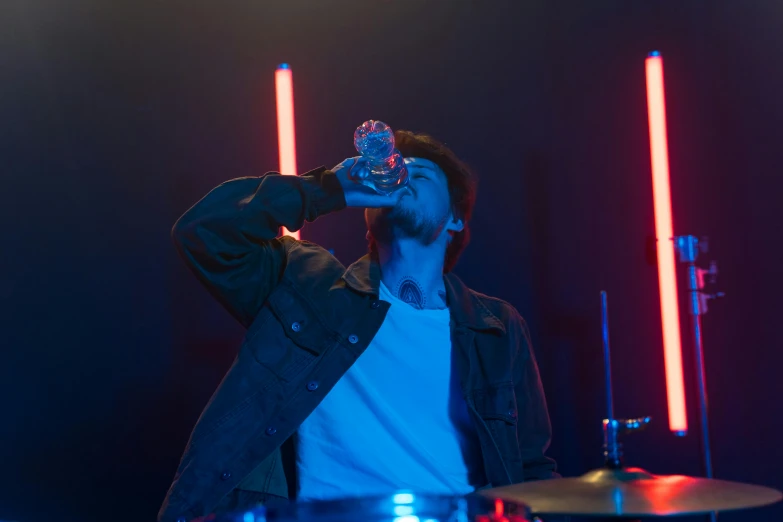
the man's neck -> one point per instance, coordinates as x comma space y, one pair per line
414, 273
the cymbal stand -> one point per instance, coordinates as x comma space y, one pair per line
689, 248
614, 428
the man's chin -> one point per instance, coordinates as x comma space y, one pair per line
400, 216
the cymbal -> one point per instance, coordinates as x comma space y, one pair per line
633, 492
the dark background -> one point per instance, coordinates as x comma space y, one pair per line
117, 116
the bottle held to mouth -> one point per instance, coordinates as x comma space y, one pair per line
383, 168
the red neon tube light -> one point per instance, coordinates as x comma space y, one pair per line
667, 279
286, 133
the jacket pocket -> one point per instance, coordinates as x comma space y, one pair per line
497, 407
288, 336
497, 403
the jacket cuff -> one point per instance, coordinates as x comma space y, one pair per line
326, 192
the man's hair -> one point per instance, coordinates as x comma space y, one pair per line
461, 182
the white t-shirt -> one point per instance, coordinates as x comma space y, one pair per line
396, 420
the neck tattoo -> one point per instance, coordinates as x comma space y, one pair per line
409, 291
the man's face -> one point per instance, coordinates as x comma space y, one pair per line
424, 213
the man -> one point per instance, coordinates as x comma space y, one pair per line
391, 374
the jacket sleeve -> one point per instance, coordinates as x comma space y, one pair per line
534, 430
229, 238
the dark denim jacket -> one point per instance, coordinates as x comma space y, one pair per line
308, 318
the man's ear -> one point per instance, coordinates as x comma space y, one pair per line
455, 225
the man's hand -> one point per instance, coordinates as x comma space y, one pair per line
361, 196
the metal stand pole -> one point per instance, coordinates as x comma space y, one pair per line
612, 447
614, 428
688, 247
607, 358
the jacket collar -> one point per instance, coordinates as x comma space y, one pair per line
466, 307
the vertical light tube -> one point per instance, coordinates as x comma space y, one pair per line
286, 131
667, 278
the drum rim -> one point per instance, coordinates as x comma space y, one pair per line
382, 506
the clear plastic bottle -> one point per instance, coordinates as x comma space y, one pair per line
382, 167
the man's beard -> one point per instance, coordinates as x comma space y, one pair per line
401, 222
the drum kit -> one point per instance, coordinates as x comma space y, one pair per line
608, 493
614, 492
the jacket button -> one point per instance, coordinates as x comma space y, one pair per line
296, 327
375, 305
353, 339
226, 475
312, 385
271, 431
512, 414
